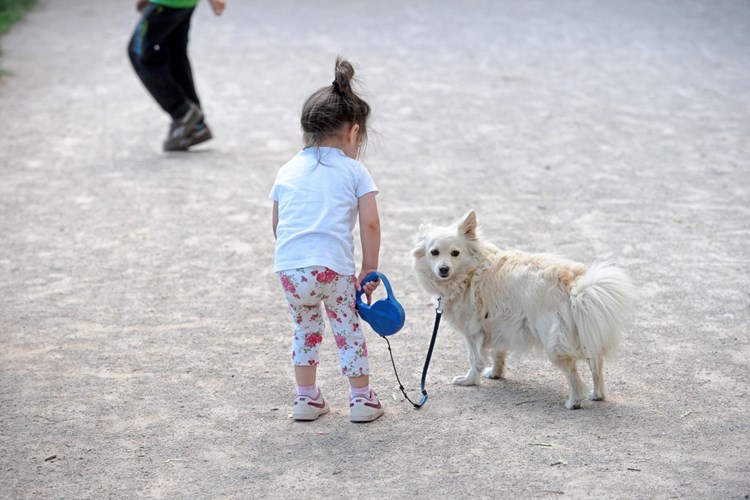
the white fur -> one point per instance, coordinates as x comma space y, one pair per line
508, 300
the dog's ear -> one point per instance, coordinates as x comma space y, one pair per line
418, 251
468, 226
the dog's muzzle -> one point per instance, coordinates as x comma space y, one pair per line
444, 271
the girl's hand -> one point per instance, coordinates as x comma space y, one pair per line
140, 5
370, 286
218, 6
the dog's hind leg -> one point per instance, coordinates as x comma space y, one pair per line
497, 370
576, 387
474, 345
597, 373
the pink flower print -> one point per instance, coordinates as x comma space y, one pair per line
287, 284
355, 327
313, 339
333, 316
312, 362
364, 350
326, 276
340, 341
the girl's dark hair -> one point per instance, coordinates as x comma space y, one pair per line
331, 107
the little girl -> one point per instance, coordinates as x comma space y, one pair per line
317, 197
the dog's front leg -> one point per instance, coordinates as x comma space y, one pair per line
474, 346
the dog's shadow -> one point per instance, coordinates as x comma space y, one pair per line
522, 395
507, 392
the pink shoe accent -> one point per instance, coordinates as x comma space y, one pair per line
376, 406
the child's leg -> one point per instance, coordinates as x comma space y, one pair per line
346, 327
305, 375
361, 382
303, 296
339, 300
151, 61
179, 63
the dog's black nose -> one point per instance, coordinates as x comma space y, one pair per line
443, 271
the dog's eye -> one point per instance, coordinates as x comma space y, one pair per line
455, 253
435, 252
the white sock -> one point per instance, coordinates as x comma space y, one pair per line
308, 390
359, 391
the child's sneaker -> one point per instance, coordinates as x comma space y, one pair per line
366, 409
200, 134
181, 129
307, 408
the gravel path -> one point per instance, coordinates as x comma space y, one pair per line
144, 337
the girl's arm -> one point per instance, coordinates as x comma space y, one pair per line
369, 231
275, 217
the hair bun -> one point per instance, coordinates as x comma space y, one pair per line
343, 75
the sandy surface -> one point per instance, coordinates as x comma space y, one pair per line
144, 337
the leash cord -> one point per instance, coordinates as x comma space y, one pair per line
423, 399
400, 385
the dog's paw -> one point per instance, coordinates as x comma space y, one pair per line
594, 396
465, 380
491, 373
572, 404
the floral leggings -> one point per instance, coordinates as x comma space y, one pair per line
305, 289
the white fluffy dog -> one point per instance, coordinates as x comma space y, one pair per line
508, 300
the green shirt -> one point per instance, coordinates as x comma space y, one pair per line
176, 4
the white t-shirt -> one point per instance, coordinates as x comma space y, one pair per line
318, 192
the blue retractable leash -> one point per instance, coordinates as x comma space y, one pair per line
386, 316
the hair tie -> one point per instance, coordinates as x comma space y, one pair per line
336, 86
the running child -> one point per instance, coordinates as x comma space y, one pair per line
158, 51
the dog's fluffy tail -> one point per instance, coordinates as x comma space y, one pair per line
602, 300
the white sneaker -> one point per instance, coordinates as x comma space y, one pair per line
366, 409
307, 408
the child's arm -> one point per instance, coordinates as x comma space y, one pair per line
275, 217
369, 232
218, 6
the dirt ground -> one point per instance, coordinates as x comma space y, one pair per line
144, 336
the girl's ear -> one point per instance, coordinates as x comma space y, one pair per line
352, 137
